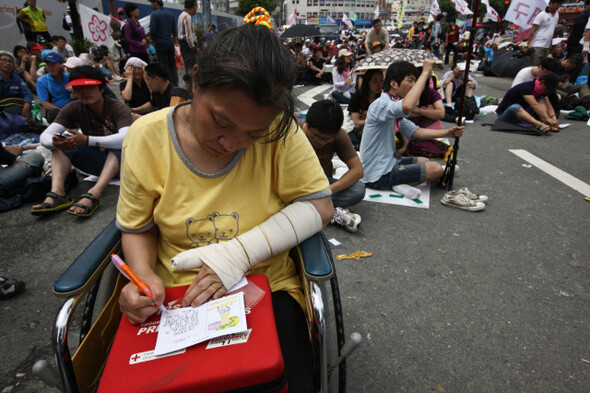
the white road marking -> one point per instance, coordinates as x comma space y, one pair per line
553, 171
308, 97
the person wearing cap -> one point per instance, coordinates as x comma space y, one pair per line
541, 35
134, 34
73, 62
377, 33
51, 87
164, 34
528, 102
15, 96
453, 80
418, 34
134, 89
156, 78
35, 18
62, 47
186, 35
95, 149
343, 80
317, 67
377, 47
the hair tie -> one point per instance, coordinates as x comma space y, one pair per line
262, 19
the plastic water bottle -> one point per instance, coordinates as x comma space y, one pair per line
36, 112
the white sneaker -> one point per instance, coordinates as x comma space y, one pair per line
407, 191
462, 202
474, 197
350, 221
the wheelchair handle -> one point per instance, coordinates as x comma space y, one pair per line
47, 373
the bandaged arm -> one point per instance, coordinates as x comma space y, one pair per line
113, 141
230, 260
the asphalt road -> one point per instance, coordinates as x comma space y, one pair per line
450, 301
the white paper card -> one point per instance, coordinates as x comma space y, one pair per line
183, 327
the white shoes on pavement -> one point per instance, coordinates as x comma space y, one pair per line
349, 221
464, 199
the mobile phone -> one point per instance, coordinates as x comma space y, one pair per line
60, 136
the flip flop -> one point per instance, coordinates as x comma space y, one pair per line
543, 128
88, 210
60, 202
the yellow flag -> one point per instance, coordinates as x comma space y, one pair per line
400, 15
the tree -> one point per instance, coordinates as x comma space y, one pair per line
78, 34
245, 6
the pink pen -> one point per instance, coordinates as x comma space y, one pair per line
131, 276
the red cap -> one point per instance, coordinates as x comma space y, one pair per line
37, 46
84, 82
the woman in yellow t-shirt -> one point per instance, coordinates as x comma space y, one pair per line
226, 183
35, 18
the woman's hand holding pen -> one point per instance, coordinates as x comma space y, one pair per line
136, 305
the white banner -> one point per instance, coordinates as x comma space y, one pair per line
96, 26
462, 7
292, 18
330, 20
491, 13
346, 20
523, 12
434, 10
376, 13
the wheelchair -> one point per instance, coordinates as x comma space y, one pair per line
91, 279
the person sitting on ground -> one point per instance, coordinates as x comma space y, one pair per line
372, 83
383, 168
360, 52
343, 79
322, 127
102, 60
452, 82
25, 67
51, 87
16, 166
300, 63
569, 69
317, 68
557, 52
15, 96
62, 47
210, 156
35, 55
528, 102
333, 50
156, 78
95, 149
134, 89
531, 73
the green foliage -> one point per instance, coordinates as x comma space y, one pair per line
81, 46
245, 6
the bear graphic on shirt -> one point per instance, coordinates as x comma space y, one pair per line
226, 225
201, 232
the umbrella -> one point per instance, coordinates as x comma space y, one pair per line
497, 40
383, 59
506, 64
301, 31
505, 44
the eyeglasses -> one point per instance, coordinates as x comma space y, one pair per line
6, 60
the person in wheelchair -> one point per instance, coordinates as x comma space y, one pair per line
228, 184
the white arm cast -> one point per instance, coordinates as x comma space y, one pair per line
230, 260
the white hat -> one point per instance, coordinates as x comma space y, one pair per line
135, 61
73, 62
461, 66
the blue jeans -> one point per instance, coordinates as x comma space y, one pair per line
509, 113
350, 196
14, 175
407, 171
90, 159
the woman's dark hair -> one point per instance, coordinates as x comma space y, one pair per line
397, 71
252, 60
365, 89
326, 116
16, 49
341, 65
129, 8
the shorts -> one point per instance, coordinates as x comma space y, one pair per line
406, 171
91, 159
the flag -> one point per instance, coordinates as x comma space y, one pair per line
330, 20
376, 13
491, 13
292, 19
96, 26
353, 16
400, 15
462, 7
434, 10
346, 20
523, 12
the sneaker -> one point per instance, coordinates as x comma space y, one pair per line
462, 202
350, 221
469, 194
10, 288
407, 191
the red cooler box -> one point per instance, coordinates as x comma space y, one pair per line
249, 362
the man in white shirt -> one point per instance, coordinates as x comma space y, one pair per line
186, 35
530, 73
542, 31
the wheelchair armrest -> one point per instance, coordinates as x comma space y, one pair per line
316, 261
88, 266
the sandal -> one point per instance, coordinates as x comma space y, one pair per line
88, 210
542, 128
60, 202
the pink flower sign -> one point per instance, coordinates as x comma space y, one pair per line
98, 29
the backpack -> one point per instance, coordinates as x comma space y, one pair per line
64, 24
123, 41
429, 148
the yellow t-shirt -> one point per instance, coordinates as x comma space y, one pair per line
159, 186
36, 19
